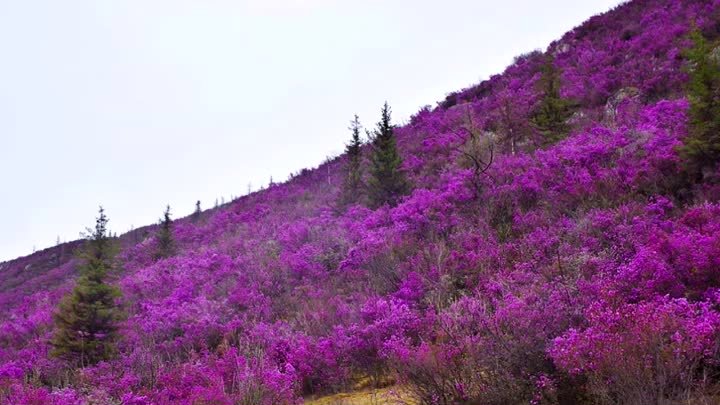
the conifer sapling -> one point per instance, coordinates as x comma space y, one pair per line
86, 320
353, 182
701, 149
165, 241
387, 181
551, 115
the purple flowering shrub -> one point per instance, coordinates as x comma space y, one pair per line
565, 274
661, 348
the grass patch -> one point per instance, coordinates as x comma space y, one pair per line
381, 396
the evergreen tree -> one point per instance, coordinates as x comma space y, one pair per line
197, 212
701, 149
353, 183
86, 320
387, 181
552, 113
165, 241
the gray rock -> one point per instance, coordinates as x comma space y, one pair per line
715, 55
616, 99
560, 49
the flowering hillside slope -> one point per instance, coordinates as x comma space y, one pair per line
580, 271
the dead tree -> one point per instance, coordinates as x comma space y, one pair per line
477, 149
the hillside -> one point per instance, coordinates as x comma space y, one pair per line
577, 271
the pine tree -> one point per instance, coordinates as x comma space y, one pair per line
701, 148
552, 113
165, 241
86, 320
387, 181
353, 182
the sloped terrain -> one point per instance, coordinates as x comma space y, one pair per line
576, 272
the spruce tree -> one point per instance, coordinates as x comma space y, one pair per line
353, 182
86, 320
387, 181
701, 148
552, 112
164, 237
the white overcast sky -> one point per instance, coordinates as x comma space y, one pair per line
135, 104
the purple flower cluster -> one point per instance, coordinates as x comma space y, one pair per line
574, 269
